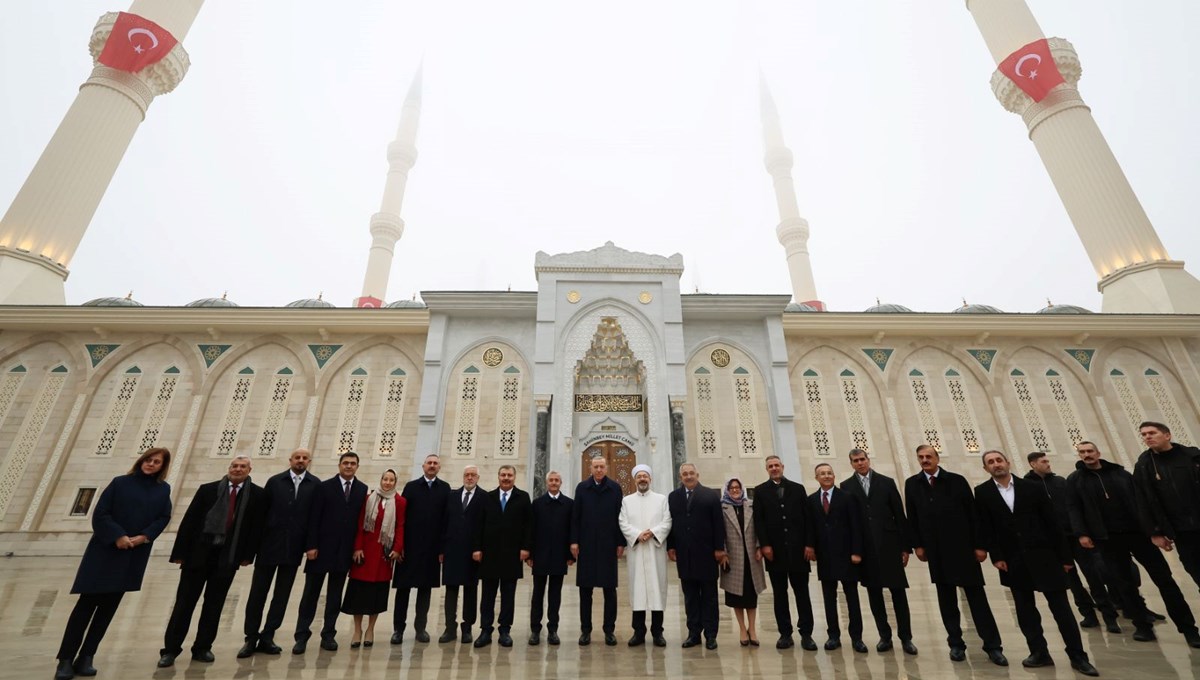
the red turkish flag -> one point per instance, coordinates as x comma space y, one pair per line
1033, 69
369, 302
135, 43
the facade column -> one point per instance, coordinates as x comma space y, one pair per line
43, 227
1135, 273
541, 442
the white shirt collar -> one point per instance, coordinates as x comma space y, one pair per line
554, 495
935, 474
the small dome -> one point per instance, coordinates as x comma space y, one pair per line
887, 308
1063, 309
800, 307
406, 304
212, 302
976, 309
311, 303
126, 301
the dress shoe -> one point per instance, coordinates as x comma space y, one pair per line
908, 647
1085, 667
299, 647
1037, 660
610, 639
858, 646
535, 639
1193, 639
552, 637
449, 635
1111, 624
958, 654
808, 644
1156, 616
1144, 634
483, 640
710, 643
368, 643
247, 650
397, 637
204, 657
997, 657
466, 638
690, 642
637, 640
784, 642
83, 666
329, 645
166, 661
422, 636
660, 641
268, 647
753, 642
64, 671
355, 644
585, 639
1090, 621
744, 643
505, 640
832, 644
884, 646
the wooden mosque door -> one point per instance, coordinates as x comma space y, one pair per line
621, 460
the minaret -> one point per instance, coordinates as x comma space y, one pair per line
386, 225
50, 214
793, 229
1136, 274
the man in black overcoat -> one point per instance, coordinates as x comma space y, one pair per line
419, 566
464, 507
887, 546
839, 547
1030, 550
945, 526
785, 531
219, 532
1167, 476
696, 545
289, 501
329, 547
550, 557
597, 544
501, 543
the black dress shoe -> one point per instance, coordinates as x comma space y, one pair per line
1193, 639
535, 639
422, 636
204, 657
610, 639
466, 638
329, 645
1090, 621
552, 637
83, 666
1112, 625
1156, 616
585, 639
1085, 667
1037, 660
908, 647
784, 642
690, 642
1144, 634
299, 647
483, 640
268, 647
505, 640
858, 646
997, 657
958, 654
637, 640
832, 644
247, 650
807, 643
397, 637
884, 646
64, 671
166, 661
449, 635
710, 643
660, 641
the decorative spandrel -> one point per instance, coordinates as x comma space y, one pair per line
608, 403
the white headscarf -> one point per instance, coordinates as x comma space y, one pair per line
387, 532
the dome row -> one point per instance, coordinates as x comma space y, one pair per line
308, 303
888, 308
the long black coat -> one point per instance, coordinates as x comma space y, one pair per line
887, 533
423, 536
332, 523
1088, 490
551, 534
287, 519
131, 505
503, 534
839, 535
786, 526
458, 569
696, 533
1055, 488
1027, 537
945, 523
595, 528
195, 548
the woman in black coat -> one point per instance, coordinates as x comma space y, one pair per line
132, 511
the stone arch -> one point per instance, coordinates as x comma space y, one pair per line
959, 415
722, 421
1068, 413
1133, 397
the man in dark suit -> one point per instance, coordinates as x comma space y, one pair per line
419, 568
1167, 476
596, 544
329, 547
502, 541
839, 547
696, 545
219, 532
945, 526
289, 500
464, 506
1030, 550
887, 545
785, 531
550, 557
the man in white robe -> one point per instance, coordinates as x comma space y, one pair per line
646, 522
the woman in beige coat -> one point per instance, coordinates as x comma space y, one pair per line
742, 577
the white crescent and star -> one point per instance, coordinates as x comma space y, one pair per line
1032, 75
141, 31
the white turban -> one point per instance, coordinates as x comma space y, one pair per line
642, 468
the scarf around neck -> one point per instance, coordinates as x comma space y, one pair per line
387, 531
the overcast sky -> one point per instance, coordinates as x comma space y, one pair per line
556, 126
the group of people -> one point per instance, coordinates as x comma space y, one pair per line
357, 543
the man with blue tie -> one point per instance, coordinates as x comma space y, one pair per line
502, 541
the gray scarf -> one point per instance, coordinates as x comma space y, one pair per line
218, 514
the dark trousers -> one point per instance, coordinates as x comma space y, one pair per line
981, 615
879, 612
420, 615
308, 603
585, 610
284, 576
487, 605
214, 584
1098, 599
1188, 545
553, 598
700, 606
783, 612
829, 594
656, 622
470, 605
1030, 622
1117, 551
87, 624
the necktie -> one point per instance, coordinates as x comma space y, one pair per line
466, 499
429, 484
296, 487
825, 501
347, 489
232, 504
689, 499
503, 501
932, 480
866, 483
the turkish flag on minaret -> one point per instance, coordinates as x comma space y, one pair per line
135, 43
1033, 69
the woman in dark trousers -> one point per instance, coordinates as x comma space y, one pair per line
132, 511
377, 544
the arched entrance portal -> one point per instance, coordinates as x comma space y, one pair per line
621, 460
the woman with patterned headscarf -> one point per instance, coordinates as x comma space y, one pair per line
744, 577
378, 543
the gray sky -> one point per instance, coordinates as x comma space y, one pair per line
559, 125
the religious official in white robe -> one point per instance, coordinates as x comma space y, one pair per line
646, 522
